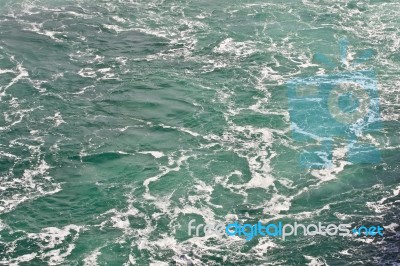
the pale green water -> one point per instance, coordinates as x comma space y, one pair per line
123, 120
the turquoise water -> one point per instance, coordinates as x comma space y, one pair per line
123, 120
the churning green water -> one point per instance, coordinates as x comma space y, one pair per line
121, 121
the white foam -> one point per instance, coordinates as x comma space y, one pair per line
155, 154
396, 191
115, 28
391, 227
119, 19
337, 165
22, 74
87, 73
345, 252
20, 259
377, 207
315, 261
52, 237
164, 170
158, 263
277, 204
119, 218
3, 71
91, 259
84, 89
57, 118
35, 181
229, 46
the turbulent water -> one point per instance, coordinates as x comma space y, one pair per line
123, 120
